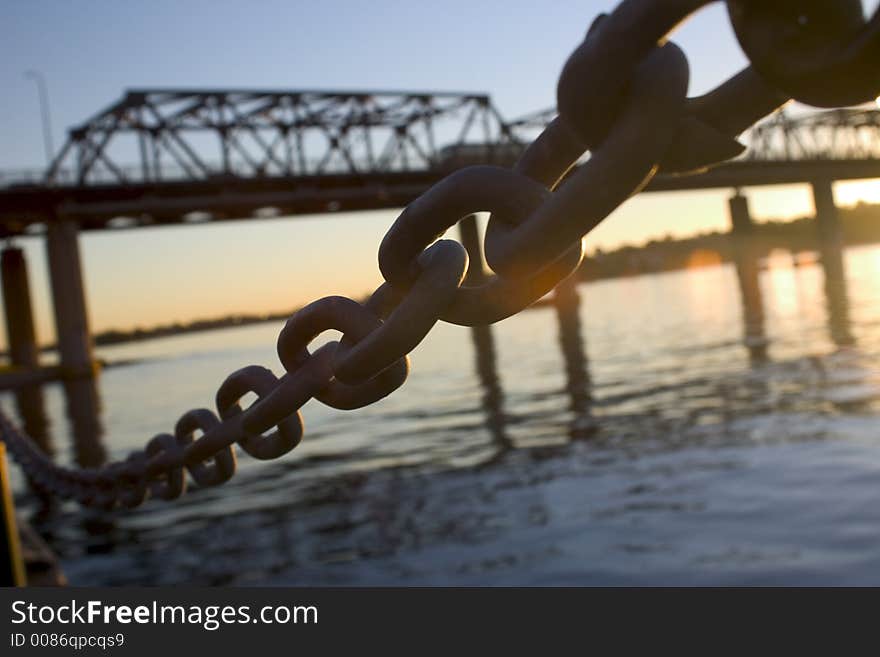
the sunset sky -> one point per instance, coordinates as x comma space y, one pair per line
91, 51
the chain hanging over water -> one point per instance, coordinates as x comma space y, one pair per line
622, 96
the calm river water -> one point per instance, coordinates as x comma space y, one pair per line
667, 452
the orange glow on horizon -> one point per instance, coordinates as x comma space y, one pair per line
703, 258
853, 192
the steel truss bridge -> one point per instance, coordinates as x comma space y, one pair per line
213, 155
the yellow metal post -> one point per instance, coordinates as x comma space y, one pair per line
11, 562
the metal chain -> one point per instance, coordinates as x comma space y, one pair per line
622, 96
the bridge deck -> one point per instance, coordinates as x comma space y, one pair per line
156, 204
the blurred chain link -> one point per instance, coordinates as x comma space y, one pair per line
622, 96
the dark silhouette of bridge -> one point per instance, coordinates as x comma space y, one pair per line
230, 154
168, 156
215, 155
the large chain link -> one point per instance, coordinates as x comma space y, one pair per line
622, 96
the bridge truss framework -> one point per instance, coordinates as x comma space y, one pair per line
176, 134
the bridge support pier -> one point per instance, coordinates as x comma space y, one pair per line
20, 332
69, 300
470, 239
567, 302
831, 254
84, 412
748, 273
484, 342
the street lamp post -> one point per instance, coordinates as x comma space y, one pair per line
38, 77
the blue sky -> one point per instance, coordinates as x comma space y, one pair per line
90, 51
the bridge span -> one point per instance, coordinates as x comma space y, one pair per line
201, 156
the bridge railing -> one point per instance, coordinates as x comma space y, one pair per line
12, 177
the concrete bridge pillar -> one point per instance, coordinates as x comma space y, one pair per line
831, 253
69, 300
745, 258
827, 221
84, 412
20, 335
566, 302
470, 239
484, 342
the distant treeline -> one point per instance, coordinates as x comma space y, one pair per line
116, 336
859, 225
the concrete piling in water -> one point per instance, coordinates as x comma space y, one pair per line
84, 413
20, 334
831, 256
69, 300
470, 239
484, 341
748, 274
566, 302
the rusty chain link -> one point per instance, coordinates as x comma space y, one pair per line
622, 96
